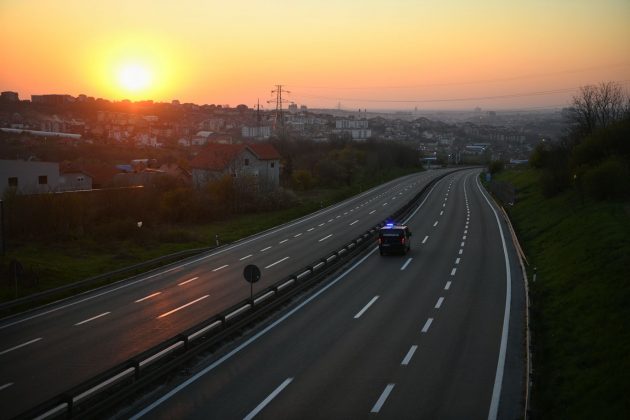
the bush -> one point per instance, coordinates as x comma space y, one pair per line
608, 180
495, 167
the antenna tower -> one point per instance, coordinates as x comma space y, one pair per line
279, 117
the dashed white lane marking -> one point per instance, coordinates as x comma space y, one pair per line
182, 307
338, 216
267, 400
220, 268
427, 325
5, 386
93, 318
409, 355
264, 249
462, 244
354, 222
372, 212
297, 236
20, 346
384, 204
444, 205
283, 241
439, 302
330, 220
311, 229
457, 260
366, 307
424, 241
187, 281
442, 213
461, 251
466, 231
321, 224
464, 237
245, 257
148, 297
447, 285
406, 264
325, 237
435, 224
381, 400
277, 262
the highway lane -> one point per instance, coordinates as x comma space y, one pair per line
47, 351
399, 337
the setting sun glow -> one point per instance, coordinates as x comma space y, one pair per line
134, 78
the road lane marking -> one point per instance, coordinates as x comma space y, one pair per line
338, 216
461, 251
409, 355
269, 398
277, 262
354, 222
424, 241
464, 237
444, 205
182, 307
442, 213
220, 268
381, 400
466, 231
321, 224
5, 386
20, 346
93, 318
298, 235
245, 257
384, 204
283, 241
372, 212
325, 237
148, 297
448, 285
427, 325
435, 224
264, 249
457, 260
462, 244
406, 264
187, 281
439, 302
366, 307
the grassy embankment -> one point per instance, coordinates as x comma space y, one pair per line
580, 300
58, 263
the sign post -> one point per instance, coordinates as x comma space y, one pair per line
252, 275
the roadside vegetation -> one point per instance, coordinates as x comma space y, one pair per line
571, 211
63, 238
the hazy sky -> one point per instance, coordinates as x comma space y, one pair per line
362, 54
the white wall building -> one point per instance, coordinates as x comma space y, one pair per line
29, 177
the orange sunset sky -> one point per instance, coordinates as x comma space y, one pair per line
372, 54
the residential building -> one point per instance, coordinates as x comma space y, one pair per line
358, 129
258, 132
28, 177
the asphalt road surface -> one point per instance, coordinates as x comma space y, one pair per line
49, 350
435, 334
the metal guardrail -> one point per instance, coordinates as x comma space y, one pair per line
115, 384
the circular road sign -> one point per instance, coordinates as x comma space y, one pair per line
251, 273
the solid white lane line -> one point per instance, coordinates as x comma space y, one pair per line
457, 260
187, 281
267, 400
264, 249
325, 237
93, 318
283, 241
382, 398
277, 262
354, 222
148, 297
435, 224
220, 268
424, 241
311, 229
438, 304
366, 307
406, 264
409, 355
245, 257
372, 212
427, 325
448, 285
5, 386
20, 346
182, 307
461, 251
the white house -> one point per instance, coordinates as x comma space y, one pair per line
29, 177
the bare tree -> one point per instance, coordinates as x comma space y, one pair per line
599, 106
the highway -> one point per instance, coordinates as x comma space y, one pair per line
436, 333
46, 351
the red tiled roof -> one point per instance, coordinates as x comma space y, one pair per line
264, 151
216, 156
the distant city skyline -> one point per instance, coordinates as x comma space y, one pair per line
374, 54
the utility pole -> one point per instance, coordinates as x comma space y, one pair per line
279, 117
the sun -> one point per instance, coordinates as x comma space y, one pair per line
134, 77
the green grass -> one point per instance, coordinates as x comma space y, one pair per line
580, 301
54, 264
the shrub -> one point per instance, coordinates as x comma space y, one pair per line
608, 180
